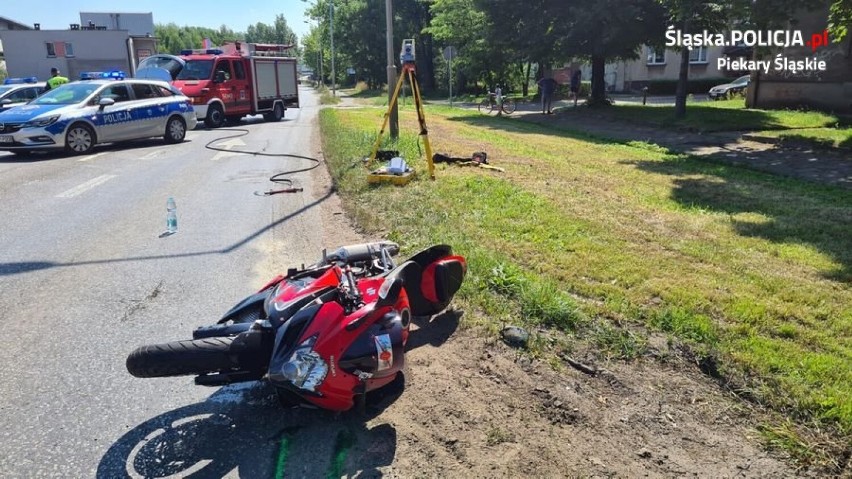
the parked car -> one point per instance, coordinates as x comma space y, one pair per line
727, 90
101, 108
19, 91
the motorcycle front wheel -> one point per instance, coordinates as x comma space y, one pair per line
181, 358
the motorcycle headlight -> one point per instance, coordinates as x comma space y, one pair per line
305, 368
41, 122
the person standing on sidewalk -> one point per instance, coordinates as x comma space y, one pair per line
575, 85
547, 87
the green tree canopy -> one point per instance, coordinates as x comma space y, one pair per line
173, 39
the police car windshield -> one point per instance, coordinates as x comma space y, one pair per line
4, 89
67, 94
196, 70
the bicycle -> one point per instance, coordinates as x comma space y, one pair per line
491, 103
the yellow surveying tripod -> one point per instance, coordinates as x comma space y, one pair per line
408, 70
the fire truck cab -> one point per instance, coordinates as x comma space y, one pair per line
232, 81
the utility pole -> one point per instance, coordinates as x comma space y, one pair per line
331, 25
394, 115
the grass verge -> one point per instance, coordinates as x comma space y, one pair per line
827, 138
725, 115
608, 241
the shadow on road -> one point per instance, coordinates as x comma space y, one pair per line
27, 266
243, 428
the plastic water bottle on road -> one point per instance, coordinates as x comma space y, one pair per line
171, 216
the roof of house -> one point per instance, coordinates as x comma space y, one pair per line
20, 25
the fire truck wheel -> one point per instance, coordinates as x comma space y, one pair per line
277, 113
175, 130
215, 116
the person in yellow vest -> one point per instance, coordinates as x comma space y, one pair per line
55, 79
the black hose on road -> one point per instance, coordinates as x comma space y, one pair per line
277, 178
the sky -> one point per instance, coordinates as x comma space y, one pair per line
236, 14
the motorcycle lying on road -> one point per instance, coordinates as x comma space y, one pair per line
323, 335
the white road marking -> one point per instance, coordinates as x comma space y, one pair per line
227, 145
92, 157
152, 154
80, 189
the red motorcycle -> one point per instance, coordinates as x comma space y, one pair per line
325, 334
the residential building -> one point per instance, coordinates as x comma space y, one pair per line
664, 64
829, 89
656, 64
91, 46
8, 24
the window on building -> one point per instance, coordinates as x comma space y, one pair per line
69, 49
51, 50
698, 55
239, 70
656, 56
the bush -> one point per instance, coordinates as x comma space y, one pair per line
669, 87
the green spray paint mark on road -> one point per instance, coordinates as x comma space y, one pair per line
283, 452
345, 440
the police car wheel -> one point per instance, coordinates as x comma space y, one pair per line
175, 130
215, 116
80, 139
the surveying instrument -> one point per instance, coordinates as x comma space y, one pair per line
406, 58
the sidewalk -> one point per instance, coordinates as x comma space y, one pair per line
833, 167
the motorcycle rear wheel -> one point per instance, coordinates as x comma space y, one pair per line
181, 358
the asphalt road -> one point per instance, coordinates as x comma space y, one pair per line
85, 278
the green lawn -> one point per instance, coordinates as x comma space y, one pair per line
608, 241
725, 115
822, 137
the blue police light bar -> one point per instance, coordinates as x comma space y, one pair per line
17, 81
115, 75
111, 75
209, 51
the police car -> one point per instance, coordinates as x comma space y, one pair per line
19, 91
100, 108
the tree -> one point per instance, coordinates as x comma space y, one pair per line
840, 19
279, 33
411, 21
605, 30
464, 25
523, 38
173, 39
695, 16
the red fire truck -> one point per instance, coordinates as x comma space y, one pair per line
231, 81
